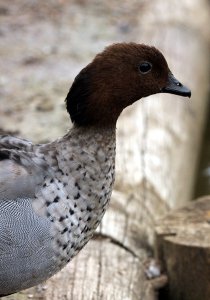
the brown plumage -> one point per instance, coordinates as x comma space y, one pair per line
112, 81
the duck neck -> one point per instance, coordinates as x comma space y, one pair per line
93, 138
93, 157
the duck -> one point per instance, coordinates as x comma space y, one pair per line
53, 196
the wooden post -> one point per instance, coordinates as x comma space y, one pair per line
183, 246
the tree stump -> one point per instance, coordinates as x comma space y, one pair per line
183, 245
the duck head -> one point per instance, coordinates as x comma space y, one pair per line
122, 74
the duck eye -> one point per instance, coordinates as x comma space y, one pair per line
145, 67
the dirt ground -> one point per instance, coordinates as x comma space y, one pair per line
43, 45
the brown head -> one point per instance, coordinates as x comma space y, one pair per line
120, 75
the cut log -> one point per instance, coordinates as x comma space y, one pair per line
183, 246
158, 139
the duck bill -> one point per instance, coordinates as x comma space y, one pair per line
175, 87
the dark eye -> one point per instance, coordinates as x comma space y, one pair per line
145, 67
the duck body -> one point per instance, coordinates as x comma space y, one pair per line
71, 181
53, 196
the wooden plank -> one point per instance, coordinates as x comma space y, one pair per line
183, 245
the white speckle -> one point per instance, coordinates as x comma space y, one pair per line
101, 155
152, 270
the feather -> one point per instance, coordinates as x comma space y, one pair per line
21, 171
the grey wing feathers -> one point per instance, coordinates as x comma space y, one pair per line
21, 169
11, 142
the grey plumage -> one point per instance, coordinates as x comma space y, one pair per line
52, 197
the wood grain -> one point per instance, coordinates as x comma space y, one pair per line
183, 244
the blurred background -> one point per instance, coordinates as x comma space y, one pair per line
43, 45
163, 142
